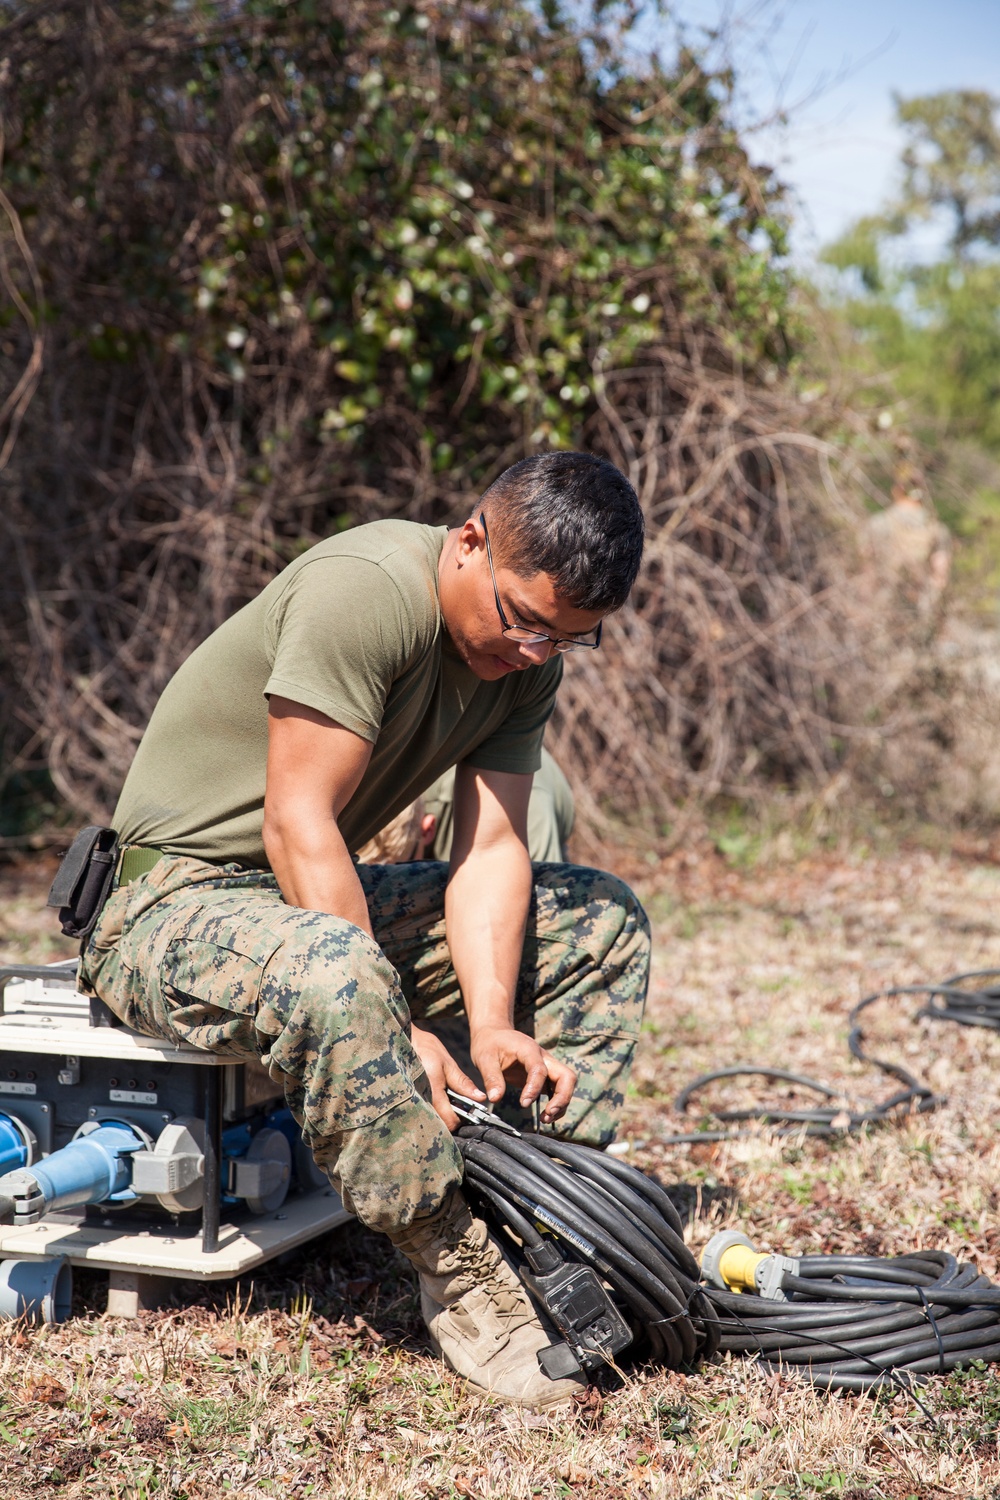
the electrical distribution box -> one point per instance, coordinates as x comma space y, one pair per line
145, 1159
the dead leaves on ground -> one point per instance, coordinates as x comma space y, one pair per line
45, 1390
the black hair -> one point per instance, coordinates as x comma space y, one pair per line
573, 516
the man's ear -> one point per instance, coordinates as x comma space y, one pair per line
470, 541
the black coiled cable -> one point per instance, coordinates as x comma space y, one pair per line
962, 998
854, 1322
602, 1213
847, 1322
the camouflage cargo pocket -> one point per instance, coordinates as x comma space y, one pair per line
211, 985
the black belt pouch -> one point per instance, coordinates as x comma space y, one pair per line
81, 887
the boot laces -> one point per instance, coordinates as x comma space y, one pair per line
485, 1267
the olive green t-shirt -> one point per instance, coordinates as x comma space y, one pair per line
352, 628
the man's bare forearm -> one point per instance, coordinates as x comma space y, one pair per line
486, 911
314, 869
313, 769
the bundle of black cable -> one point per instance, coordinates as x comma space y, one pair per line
853, 1322
600, 1245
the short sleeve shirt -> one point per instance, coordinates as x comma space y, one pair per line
353, 629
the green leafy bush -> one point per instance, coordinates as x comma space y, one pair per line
294, 264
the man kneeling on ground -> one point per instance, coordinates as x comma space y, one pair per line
242, 924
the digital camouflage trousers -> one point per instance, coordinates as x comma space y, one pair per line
212, 956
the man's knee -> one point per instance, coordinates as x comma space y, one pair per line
624, 911
333, 972
590, 909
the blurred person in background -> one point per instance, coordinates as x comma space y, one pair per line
424, 829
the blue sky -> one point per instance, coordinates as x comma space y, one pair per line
836, 64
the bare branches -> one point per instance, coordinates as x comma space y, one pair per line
16, 403
740, 650
294, 291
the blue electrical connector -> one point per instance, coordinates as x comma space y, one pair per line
13, 1146
95, 1167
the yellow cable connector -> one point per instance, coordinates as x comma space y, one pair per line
738, 1266
731, 1262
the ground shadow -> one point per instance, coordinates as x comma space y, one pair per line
697, 1200
344, 1274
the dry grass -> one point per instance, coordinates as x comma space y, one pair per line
317, 1381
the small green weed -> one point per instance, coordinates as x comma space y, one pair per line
798, 1188
739, 848
672, 1419
974, 1393
204, 1416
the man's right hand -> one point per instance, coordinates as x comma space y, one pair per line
443, 1073
505, 1055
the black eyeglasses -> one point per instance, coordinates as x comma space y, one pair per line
521, 632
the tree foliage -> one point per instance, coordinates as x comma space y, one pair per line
451, 208
951, 162
283, 266
935, 325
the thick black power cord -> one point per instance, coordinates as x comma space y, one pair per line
955, 999
593, 1210
844, 1322
854, 1322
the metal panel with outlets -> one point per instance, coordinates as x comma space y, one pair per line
67, 1066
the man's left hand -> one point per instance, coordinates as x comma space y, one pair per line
443, 1073
501, 1053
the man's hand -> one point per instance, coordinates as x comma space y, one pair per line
443, 1073
504, 1055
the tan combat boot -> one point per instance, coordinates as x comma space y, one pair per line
476, 1310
